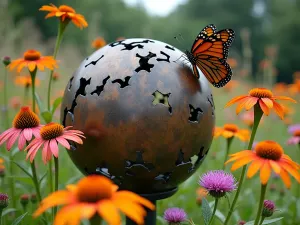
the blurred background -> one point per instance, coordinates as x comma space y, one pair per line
266, 48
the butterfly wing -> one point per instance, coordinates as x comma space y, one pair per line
206, 32
216, 70
216, 45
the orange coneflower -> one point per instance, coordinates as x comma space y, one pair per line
33, 59
232, 130
26, 81
66, 14
99, 42
95, 195
50, 135
267, 156
263, 97
25, 125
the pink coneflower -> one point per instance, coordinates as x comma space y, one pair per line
175, 215
50, 135
218, 183
295, 139
293, 128
26, 123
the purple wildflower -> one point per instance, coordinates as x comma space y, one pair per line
269, 207
3, 201
218, 183
293, 128
175, 215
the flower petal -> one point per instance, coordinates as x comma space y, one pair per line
264, 107
265, 172
27, 133
68, 215
285, 178
278, 109
241, 162
63, 142
109, 212
54, 147
234, 100
130, 196
284, 98
275, 166
31, 66
268, 102
254, 167
250, 103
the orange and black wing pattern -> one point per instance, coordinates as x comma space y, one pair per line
209, 52
216, 70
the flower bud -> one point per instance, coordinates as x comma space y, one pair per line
33, 198
3, 200
268, 208
242, 222
2, 171
24, 200
6, 60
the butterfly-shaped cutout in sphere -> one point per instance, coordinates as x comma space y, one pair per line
209, 52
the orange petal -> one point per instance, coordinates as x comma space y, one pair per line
227, 134
132, 210
241, 162
264, 107
234, 100
284, 98
241, 105
109, 212
275, 166
48, 8
278, 109
254, 167
31, 66
88, 210
285, 178
250, 103
130, 196
265, 172
294, 172
268, 102
239, 155
69, 214
54, 199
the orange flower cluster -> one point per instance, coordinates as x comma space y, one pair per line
232, 130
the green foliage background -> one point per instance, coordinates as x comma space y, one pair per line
278, 24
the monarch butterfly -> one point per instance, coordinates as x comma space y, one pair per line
209, 52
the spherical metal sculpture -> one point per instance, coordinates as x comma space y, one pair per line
148, 121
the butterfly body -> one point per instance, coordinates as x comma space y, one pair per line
209, 52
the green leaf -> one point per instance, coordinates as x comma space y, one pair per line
19, 219
47, 116
56, 103
14, 151
206, 211
39, 102
220, 216
10, 210
265, 221
22, 168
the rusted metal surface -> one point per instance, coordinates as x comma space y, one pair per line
148, 121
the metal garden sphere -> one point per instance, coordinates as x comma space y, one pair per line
148, 121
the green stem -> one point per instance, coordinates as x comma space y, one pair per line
5, 100
12, 181
50, 181
33, 74
61, 29
261, 203
229, 141
257, 117
56, 173
262, 220
35, 181
1, 216
214, 211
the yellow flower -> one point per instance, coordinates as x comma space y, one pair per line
99, 42
65, 13
267, 156
232, 130
263, 97
95, 195
33, 59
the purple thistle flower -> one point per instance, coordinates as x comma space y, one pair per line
218, 183
268, 209
175, 215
